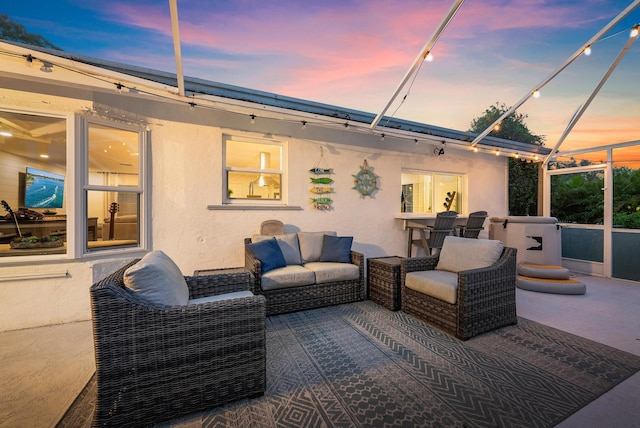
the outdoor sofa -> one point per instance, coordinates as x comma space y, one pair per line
304, 270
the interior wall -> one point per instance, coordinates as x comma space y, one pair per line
186, 174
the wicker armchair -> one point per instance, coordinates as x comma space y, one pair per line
155, 362
486, 297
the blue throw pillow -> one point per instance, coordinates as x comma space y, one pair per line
336, 249
269, 253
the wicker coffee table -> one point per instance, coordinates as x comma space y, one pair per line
383, 276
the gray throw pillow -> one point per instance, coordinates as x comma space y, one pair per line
336, 249
157, 279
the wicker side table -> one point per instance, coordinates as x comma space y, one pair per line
383, 277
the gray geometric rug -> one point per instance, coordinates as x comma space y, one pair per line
360, 365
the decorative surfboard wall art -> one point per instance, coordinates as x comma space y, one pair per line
321, 184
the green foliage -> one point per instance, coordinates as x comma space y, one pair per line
512, 127
15, 32
523, 176
578, 198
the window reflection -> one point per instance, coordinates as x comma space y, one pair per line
428, 192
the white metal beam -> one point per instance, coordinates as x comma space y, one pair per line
572, 58
421, 56
173, 5
584, 107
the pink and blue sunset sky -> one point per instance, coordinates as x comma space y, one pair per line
354, 53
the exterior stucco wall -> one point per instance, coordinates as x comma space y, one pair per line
186, 172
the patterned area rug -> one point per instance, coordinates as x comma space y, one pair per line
360, 365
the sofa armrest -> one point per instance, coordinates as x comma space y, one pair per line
254, 266
358, 260
498, 280
218, 283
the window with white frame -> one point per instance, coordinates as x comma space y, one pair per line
253, 170
34, 186
113, 185
431, 192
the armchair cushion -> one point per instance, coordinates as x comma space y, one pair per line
336, 249
288, 244
440, 284
157, 279
459, 254
269, 254
219, 297
311, 245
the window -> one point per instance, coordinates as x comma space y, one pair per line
430, 192
113, 186
34, 187
253, 170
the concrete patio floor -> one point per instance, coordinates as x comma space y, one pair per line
43, 369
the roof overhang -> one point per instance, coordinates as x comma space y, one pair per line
203, 93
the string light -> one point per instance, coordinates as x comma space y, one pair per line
428, 57
587, 50
496, 127
48, 67
536, 94
634, 31
517, 155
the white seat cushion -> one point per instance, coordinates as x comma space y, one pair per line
288, 276
460, 254
219, 297
440, 284
332, 272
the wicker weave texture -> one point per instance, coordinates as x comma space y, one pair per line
486, 297
155, 363
292, 299
383, 275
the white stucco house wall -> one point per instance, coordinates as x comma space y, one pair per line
185, 210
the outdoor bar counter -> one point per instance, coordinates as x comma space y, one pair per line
421, 222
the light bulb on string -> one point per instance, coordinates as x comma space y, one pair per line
587, 50
253, 118
634, 31
536, 94
428, 57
